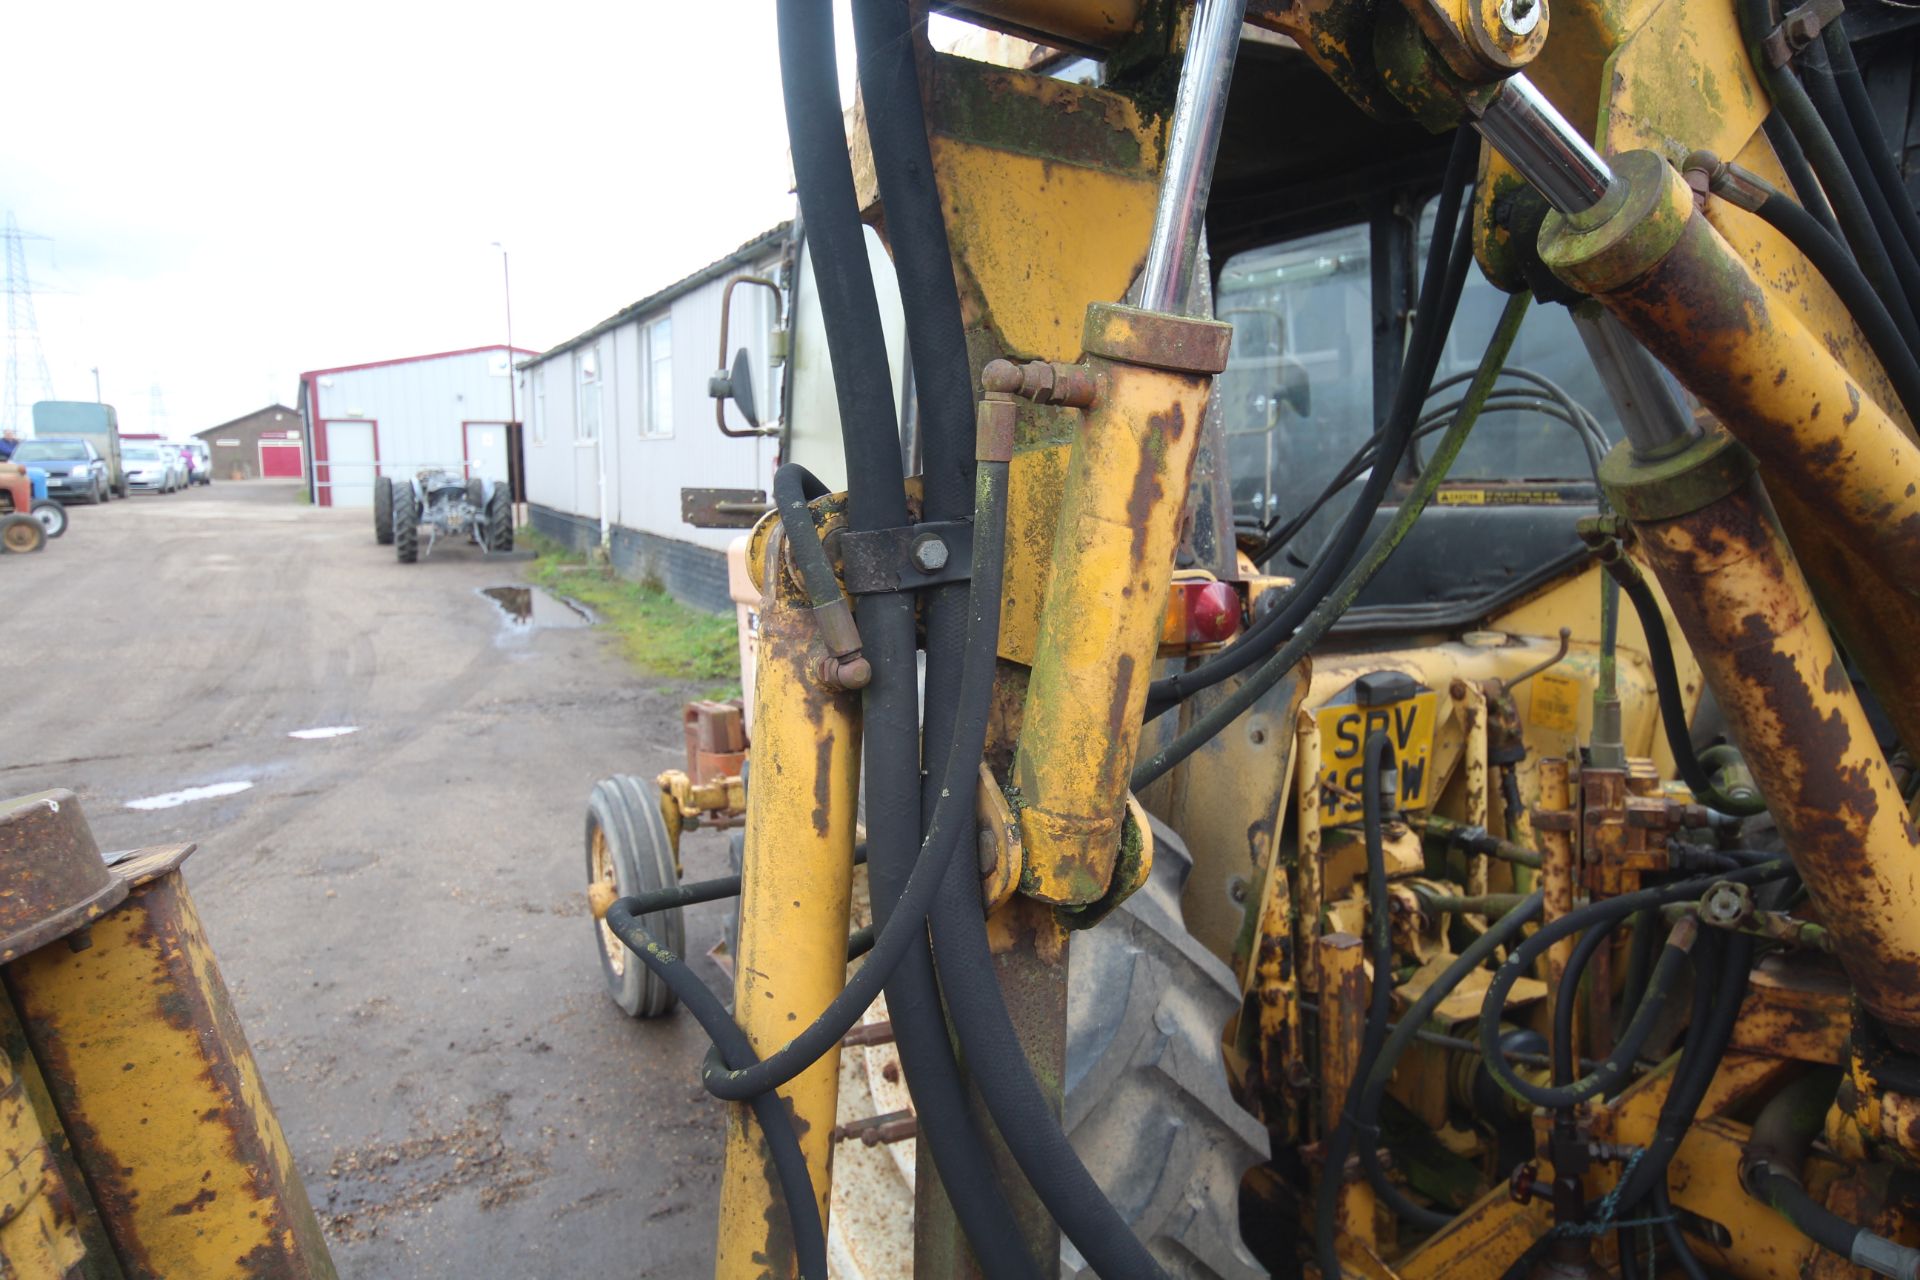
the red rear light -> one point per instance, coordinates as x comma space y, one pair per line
1213, 612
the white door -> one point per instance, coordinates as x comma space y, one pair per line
487, 451
349, 469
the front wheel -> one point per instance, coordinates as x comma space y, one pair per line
22, 534
406, 524
628, 852
51, 515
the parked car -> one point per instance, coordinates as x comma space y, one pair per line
75, 470
202, 459
149, 470
176, 455
97, 424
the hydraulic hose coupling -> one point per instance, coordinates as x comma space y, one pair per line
1144, 386
1706, 173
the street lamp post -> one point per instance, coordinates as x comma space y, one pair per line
96, 384
506, 288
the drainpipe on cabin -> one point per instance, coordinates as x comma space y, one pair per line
606, 525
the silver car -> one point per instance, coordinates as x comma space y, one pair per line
148, 468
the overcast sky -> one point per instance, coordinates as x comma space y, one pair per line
234, 193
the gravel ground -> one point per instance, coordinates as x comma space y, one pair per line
398, 910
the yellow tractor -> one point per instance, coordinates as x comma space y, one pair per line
1363, 728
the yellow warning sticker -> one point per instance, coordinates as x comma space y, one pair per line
1556, 701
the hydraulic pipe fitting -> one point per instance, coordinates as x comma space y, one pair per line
1126, 484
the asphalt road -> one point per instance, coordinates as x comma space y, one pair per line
399, 910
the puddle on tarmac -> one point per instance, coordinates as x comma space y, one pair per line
529, 608
174, 799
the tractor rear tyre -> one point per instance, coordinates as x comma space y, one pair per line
406, 524
51, 515
476, 493
383, 510
1147, 1102
500, 519
627, 851
21, 533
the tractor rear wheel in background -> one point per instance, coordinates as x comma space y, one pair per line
406, 523
383, 510
51, 515
628, 852
21, 533
1148, 1105
500, 519
476, 493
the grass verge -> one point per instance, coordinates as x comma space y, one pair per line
657, 633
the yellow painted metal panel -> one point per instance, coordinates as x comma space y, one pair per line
160, 1095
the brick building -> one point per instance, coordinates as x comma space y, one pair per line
266, 442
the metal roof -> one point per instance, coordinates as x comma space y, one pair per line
744, 255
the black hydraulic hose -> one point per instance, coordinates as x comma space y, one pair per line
889, 81
1806, 188
1640, 958
1512, 807
769, 1108
1595, 915
1770, 1171
1899, 253
1612, 1071
826, 199
1432, 320
696, 891
793, 488
1666, 680
1782, 1134
922, 258
969, 980
1676, 1238
1891, 347
1790, 100
1866, 127
1376, 753
856, 342
936, 851
1367, 1115
1721, 987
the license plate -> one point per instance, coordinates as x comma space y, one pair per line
1344, 730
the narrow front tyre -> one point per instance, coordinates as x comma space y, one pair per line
628, 853
51, 515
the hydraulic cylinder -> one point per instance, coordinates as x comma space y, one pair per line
1750, 618
1106, 598
1844, 472
796, 877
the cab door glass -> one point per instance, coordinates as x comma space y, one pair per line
1297, 393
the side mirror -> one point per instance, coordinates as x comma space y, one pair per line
735, 385
741, 382
1295, 389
